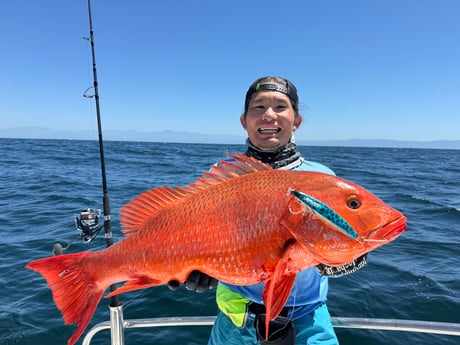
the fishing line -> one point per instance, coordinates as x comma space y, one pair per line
294, 295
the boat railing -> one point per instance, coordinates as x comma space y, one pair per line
117, 325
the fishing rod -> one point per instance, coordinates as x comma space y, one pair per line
87, 222
105, 199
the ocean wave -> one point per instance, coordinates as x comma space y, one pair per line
46, 182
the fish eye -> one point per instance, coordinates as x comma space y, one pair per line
353, 202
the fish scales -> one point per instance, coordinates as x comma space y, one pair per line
250, 235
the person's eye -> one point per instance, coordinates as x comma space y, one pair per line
258, 107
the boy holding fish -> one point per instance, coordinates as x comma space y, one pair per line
270, 117
285, 231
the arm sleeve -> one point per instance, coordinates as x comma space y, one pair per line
343, 270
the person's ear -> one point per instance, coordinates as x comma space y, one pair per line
243, 120
297, 122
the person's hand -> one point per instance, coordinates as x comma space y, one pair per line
197, 281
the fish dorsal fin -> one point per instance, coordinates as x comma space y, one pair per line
145, 205
226, 170
149, 203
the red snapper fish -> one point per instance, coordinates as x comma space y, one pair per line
242, 223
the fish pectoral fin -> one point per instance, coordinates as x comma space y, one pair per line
277, 290
281, 289
140, 282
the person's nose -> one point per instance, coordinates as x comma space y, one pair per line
270, 114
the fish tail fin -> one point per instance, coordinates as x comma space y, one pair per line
75, 291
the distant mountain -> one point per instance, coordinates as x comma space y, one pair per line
161, 136
190, 137
433, 144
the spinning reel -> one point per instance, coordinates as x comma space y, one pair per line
87, 222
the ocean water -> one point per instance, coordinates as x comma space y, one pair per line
45, 182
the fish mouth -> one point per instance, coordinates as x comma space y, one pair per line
389, 231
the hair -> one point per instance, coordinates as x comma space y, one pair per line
291, 91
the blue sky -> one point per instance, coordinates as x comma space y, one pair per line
386, 69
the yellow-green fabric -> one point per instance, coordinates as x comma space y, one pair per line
232, 304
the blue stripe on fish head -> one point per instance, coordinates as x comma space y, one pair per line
325, 213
